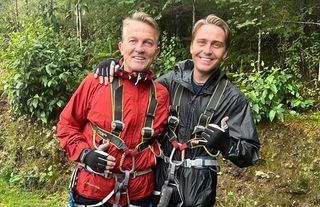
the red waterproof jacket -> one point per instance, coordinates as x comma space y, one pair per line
92, 103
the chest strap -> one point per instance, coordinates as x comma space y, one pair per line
118, 125
204, 119
214, 102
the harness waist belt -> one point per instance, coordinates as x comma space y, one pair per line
195, 163
133, 174
200, 163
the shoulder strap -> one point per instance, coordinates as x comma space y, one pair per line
117, 124
212, 106
147, 131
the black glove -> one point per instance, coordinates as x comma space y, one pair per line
106, 67
215, 137
95, 159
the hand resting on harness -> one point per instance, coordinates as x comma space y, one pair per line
98, 160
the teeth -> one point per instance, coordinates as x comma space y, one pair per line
139, 58
207, 59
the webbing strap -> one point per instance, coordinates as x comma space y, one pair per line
204, 118
174, 108
212, 106
109, 137
117, 104
147, 131
173, 120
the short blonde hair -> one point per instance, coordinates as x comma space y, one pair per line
142, 17
213, 19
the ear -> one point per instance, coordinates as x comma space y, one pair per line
120, 46
157, 52
190, 48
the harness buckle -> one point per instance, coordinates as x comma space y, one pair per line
198, 128
147, 132
173, 121
133, 174
193, 163
117, 125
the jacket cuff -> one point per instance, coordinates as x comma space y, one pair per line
224, 145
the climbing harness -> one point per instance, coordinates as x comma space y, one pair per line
114, 138
199, 162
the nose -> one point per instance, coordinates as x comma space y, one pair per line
207, 49
139, 48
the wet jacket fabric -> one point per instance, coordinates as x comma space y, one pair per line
198, 186
92, 102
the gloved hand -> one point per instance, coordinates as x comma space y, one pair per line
99, 161
105, 70
216, 137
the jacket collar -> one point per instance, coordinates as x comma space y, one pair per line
134, 76
186, 71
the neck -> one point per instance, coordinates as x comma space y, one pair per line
201, 77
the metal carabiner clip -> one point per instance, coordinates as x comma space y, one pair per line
122, 161
171, 156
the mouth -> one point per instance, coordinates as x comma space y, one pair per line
139, 58
206, 59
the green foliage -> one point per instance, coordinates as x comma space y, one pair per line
31, 156
169, 55
42, 73
11, 196
271, 92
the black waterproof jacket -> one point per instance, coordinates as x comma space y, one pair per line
198, 186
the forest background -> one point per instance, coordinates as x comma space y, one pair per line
49, 46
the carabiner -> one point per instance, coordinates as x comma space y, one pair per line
122, 161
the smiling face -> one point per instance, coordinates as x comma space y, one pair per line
208, 49
138, 46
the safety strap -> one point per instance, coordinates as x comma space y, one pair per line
114, 137
212, 106
173, 119
118, 142
119, 176
204, 119
117, 104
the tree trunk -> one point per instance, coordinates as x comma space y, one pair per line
17, 16
259, 43
78, 21
51, 9
193, 12
319, 72
27, 7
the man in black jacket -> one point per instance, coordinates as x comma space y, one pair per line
208, 115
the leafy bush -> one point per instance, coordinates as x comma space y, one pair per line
169, 54
42, 73
271, 91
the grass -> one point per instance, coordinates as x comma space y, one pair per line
15, 197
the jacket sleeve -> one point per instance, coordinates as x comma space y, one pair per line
244, 145
73, 118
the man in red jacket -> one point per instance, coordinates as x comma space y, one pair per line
111, 131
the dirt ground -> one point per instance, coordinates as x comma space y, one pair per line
288, 173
